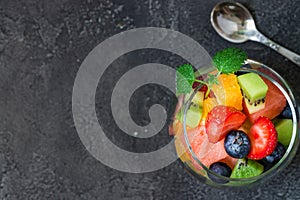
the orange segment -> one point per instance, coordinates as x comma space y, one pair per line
228, 91
181, 150
175, 128
208, 104
177, 131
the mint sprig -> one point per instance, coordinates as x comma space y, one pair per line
185, 78
226, 61
229, 60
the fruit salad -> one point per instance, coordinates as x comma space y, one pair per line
238, 126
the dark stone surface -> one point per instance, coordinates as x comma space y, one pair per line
42, 44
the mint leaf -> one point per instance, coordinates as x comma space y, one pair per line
229, 60
184, 79
212, 79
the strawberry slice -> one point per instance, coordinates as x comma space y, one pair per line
263, 138
222, 119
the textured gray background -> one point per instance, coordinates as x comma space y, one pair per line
42, 44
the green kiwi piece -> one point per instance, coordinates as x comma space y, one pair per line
197, 99
194, 113
284, 128
253, 87
254, 107
246, 168
193, 116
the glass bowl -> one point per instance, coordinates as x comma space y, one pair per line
197, 169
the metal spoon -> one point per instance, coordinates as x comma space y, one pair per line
234, 22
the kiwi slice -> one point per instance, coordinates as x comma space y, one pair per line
254, 91
193, 116
194, 113
253, 86
197, 99
246, 168
284, 128
254, 107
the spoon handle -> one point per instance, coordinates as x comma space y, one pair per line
259, 37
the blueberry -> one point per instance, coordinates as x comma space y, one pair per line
286, 113
237, 144
221, 169
270, 160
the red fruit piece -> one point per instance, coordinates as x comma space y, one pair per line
263, 138
201, 78
222, 119
204, 87
207, 152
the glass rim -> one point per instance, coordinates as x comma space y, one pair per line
284, 161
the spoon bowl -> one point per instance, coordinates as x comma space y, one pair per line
233, 22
